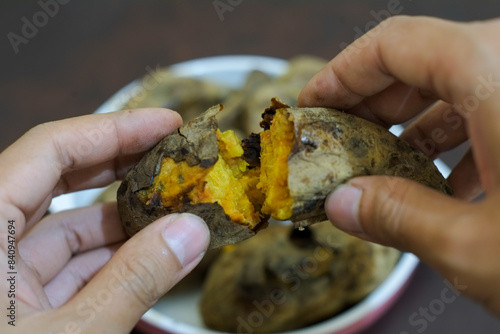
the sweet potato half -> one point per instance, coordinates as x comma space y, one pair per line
285, 172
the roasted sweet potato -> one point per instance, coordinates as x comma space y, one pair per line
285, 172
185, 173
328, 148
188, 96
283, 279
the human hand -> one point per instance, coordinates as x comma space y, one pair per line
388, 76
74, 271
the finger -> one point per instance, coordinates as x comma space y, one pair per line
140, 272
388, 53
455, 237
393, 105
484, 137
67, 233
76, 274
394, 212
98, 175
439, 129
391, 52
60, 148
464, 179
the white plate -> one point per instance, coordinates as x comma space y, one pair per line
180, 315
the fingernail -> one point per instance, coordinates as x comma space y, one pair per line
187, 237
342, 207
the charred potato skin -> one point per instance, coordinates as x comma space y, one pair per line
195, 143
301, 277
332, 147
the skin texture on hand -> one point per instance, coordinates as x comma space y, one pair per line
448, 73
76, 273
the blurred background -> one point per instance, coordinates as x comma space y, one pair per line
83, 52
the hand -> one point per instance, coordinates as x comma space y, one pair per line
75, 272
394, 72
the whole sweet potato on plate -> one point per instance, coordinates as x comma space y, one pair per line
283, 279
285, 172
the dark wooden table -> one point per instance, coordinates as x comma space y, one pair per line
83, 51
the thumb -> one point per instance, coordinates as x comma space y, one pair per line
393, 211
141, 272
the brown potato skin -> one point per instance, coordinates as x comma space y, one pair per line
291, 278
196, 143
332, 147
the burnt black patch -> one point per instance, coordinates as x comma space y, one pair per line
251, 149
268, 114
267, 118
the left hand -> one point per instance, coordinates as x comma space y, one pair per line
74, 271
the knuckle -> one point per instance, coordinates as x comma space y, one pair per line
49, 133
398, 19
73, 238
391, 210
41, 129
398, 23
142, 280
386, 209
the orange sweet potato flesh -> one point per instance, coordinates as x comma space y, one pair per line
286, 172
193, 170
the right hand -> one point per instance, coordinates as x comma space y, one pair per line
390, 75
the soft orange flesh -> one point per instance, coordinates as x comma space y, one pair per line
226, 182
243, 192
276, 146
